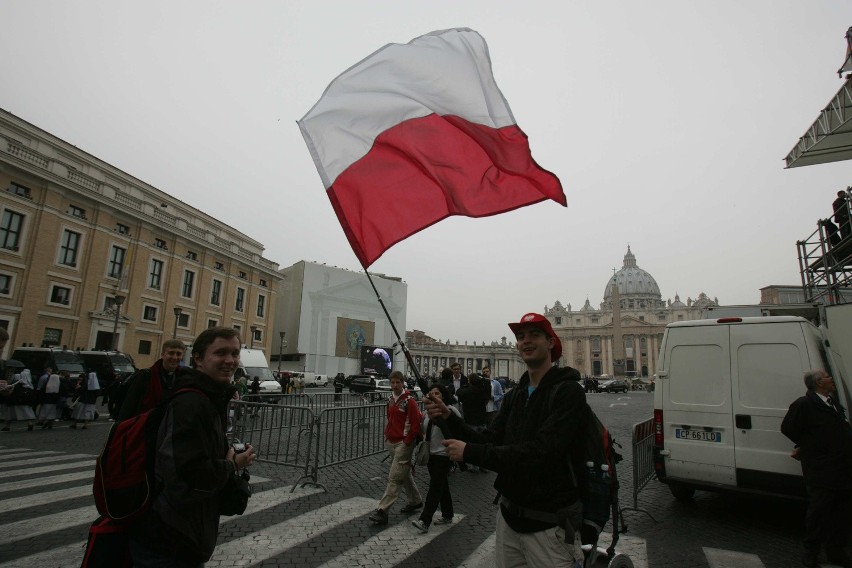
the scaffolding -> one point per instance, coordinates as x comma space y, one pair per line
825, 264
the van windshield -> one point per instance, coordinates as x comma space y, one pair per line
264, 373
122, 363
68, 361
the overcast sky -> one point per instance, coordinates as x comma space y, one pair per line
667, 122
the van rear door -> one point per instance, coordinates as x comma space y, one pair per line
769, 361
697, 420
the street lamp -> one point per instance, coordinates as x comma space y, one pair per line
178, 312
117, 309
253, 331
281, 350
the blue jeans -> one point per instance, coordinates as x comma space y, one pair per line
144, 557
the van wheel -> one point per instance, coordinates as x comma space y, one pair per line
682, 492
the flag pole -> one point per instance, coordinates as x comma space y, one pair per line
421, 382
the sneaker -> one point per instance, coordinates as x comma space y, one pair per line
443, 521
411, 507
420, 525
379, 517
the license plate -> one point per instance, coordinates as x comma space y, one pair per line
700, 435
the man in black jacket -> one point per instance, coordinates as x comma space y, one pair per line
193, 461
474, 398
817, 424
529, 445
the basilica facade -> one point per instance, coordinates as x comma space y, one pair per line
588, 334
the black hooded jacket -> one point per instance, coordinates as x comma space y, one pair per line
529, 444
190, 464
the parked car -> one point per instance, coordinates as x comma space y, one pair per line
359, 384
112, 367
383, 387
36, 359
269, 388
613, 385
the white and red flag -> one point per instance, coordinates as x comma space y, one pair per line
416, 133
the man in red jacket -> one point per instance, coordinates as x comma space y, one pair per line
401, 431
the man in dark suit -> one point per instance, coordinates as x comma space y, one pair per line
817, 424
457, 381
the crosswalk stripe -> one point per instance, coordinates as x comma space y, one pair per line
21, 450
36, 461
483, 556
718, 558
19, 530
44, 498
46, 468
398, 542
42, 481
68, 556
71, 555
273, 540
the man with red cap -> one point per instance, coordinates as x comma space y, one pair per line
532, 445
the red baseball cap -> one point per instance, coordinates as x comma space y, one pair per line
541, 322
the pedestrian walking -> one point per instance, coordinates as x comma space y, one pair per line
401, 431
47, 413
439, 469
20, 404
84, 411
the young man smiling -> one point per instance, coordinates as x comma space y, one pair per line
529, 445
193, 461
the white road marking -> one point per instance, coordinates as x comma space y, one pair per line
272, 540
718, 558
483, 556
617, 404
47, 468
19, 530
34, 461
71, 555
42, 481
397, 542
44, 498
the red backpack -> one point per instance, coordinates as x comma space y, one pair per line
124, 484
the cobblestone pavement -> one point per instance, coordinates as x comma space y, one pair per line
46, 507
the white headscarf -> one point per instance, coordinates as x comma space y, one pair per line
52, 385
93, 384
27, 379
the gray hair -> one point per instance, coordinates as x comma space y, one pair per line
811, 378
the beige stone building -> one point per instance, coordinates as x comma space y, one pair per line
431, 356
93, 258
587, 333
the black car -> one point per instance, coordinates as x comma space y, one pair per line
359, 384
613, 385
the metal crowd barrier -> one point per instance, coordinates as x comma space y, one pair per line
643, 461
309, 433
280, 434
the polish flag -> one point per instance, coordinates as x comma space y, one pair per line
416, 133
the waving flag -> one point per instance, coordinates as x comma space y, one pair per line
416, 133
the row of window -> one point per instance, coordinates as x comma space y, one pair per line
52, 337
11, 224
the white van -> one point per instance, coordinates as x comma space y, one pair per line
723, 387
253, 364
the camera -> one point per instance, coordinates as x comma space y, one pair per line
239, 447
